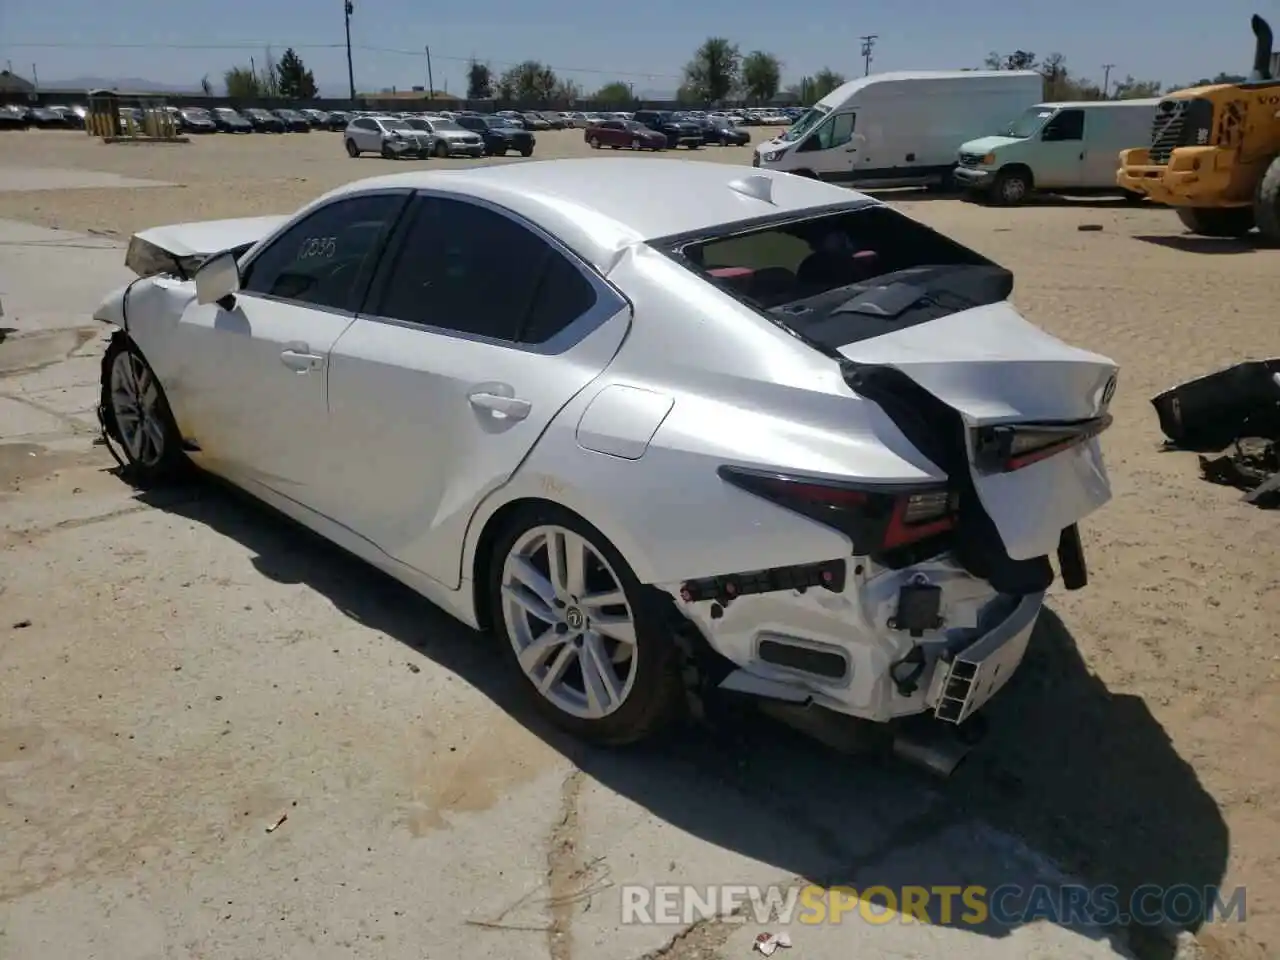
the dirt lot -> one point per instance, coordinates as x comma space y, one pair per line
1143, 744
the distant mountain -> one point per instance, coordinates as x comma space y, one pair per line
123, 84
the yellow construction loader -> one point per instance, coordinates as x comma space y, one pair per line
1215, 153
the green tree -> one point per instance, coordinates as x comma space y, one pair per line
295, 80
242, 84
1018, 60
715, 70
824, 81
566, 92
269, 76
761, 76
615, 94
1131, 89
479, 81
529, 82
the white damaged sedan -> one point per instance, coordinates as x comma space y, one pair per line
645, 419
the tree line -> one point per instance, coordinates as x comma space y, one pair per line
718, 72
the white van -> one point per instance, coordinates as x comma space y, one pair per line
1068, 148
899, 129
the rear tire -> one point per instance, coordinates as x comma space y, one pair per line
352, 150
595, 143
643, 674
1235, 222
1133, 197
442, 150
136, 414
635, 144
1266, 204
524, 152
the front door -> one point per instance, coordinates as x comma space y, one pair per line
253, 385
478, 331
831, 151
1059, 162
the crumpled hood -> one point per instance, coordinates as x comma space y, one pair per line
203, 238
984, 145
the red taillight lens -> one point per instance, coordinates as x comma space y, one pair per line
876, 519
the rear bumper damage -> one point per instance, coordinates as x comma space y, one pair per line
864, 641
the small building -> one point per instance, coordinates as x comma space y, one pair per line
13, 85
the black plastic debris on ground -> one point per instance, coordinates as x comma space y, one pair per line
1236, 410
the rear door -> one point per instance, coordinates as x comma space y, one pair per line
478, 330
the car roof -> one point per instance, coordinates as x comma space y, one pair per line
598, 207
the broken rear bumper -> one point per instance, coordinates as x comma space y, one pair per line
870, 642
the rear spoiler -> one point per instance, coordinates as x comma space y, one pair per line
178, 249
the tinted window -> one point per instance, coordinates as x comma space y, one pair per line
466, 268
563, 295
324, 259
1067, 125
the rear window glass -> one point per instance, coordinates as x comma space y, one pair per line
844, 277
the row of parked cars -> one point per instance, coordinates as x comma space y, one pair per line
666, 129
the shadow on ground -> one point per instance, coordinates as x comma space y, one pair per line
1191, 244
1083, 775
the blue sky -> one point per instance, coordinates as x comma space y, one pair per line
644, 43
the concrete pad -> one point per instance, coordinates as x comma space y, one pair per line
23, 179
55, 279
20, 420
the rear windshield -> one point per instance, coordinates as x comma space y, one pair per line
839, 278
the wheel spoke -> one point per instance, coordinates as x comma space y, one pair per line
597, 601
155, 434
598, 679
618, 628
538, 589
529, 602
555, 672
572, 578
536, 653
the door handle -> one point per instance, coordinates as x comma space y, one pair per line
512, 408
297, 358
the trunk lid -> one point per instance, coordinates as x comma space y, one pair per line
1011, 383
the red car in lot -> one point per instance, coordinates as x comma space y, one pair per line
623, 133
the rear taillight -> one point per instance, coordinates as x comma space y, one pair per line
1014, 446
878, 519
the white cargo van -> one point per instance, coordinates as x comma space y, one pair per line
1068, 148
898, 129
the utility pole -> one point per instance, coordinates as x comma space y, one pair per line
35, 80
1106, 80
431, 85
868, 44
349, 8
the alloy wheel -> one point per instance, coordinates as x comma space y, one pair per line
569, 621
134, 399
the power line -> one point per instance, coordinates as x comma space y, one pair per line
260, 44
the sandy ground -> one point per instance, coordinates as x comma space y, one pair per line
1139, 746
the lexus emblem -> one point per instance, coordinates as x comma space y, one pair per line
1108, 392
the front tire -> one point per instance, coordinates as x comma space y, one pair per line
352, 150
1011, 187
1233, 222
136, 415
580, 629
442, 150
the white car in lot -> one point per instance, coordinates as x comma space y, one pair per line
768, 432
390, 137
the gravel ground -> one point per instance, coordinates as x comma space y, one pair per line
1140, 747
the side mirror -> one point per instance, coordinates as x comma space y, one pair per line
218, 280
